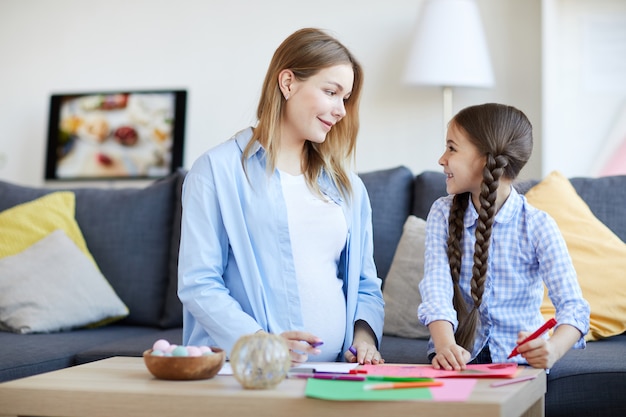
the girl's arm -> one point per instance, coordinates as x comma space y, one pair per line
542, 353
448, 355
572, 310
436, 309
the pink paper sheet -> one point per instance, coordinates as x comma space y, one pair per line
494, 370
454, 389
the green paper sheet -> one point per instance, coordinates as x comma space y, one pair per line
326, 389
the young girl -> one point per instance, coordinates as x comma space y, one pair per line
276, 232
489, 253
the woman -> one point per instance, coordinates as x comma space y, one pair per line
276, 232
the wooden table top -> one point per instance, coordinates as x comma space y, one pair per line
123, 386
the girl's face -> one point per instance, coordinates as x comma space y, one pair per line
316, 104
462, 163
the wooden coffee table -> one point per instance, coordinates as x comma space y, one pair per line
122, 386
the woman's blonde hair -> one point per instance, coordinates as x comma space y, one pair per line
504, 135
305, 53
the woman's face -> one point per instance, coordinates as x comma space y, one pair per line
462, 163
316, 104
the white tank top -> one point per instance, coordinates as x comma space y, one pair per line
318, 233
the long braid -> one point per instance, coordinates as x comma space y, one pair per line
455, 253
494, 168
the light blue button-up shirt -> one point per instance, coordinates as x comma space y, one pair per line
236, 270
526, 251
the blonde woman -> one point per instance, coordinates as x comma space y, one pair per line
276, 231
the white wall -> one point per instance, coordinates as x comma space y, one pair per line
584, 93
219, 50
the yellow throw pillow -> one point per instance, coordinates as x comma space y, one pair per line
27, 223
598, 254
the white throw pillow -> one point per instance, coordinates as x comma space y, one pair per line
52, 286
401, 291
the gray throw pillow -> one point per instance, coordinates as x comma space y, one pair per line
129, 232
52, 286
401, 291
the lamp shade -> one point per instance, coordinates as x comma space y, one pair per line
449, 46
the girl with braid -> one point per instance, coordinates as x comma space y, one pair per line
489, 253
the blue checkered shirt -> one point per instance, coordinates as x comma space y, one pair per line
526, 251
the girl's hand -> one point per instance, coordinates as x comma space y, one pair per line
366, 353
451, 357
301, 345
539, 353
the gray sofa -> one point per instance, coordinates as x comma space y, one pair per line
133, 235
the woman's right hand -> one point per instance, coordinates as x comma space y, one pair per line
301, 345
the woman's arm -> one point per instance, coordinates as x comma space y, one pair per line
369, 315
203, 257
365, 344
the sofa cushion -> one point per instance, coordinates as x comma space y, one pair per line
27, 223
128, 231
29, 354
599, 256
610, 211
590, 381
173, 310
390, 193
396, 349
428, 187
130, 346
401, 293
52, 286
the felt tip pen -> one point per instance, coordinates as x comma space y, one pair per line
390, 378
397, 385
352, 350
546, 326
341, 377
316, 344
326, 375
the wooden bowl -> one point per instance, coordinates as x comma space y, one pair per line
182, 368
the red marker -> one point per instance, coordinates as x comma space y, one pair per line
546, 326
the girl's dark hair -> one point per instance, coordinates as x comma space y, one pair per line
503, 134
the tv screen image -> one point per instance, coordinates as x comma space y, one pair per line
115, 135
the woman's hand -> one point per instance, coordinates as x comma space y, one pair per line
301, 345
365, 345
366, 353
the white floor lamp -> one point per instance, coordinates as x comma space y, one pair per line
449, 49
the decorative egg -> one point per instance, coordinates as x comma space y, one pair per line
194, 351
260, 360
180, 351
161, 345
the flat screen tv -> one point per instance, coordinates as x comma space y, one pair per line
115, 135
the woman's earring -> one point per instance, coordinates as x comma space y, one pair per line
286, 97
